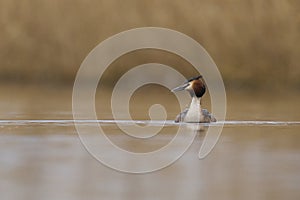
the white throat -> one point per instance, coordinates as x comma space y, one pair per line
194, 112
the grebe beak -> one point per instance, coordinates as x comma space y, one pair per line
181, 87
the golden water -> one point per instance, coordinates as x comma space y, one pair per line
44, 158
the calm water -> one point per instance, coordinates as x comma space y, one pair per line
44, 159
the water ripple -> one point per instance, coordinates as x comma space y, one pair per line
70, 122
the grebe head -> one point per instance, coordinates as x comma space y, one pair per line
195, 86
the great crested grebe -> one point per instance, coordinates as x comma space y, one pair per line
196, 87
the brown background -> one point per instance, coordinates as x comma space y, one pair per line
254, 43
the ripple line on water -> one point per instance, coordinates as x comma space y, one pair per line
70, 122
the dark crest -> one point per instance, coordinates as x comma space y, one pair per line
194, 78
198, 86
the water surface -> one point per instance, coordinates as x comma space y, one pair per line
41, 157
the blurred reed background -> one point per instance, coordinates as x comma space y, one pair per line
254, 43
